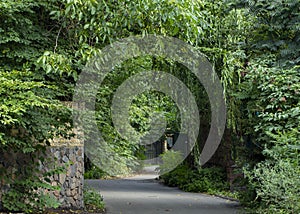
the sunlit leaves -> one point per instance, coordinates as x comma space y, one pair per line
28, 115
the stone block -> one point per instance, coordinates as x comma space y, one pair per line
65, 159
62, 178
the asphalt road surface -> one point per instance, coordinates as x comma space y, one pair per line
142, 194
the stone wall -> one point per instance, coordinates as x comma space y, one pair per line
70, 181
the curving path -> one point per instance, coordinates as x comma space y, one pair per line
142, 194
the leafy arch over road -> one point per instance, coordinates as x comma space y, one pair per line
254, 46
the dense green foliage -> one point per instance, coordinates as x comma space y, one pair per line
30, 113
25, 192
260, 71
270, 101
206, 180
253, 45
273, 110
170, 159
94, 172
93, 200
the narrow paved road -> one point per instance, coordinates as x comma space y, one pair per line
144, 195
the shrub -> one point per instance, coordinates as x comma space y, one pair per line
93, 200
170, 159
24, 195
210, 180
94, 173
31, 193
180, 176
277, 186
272, 115
275, 182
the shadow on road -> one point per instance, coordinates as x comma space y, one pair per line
142, 194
